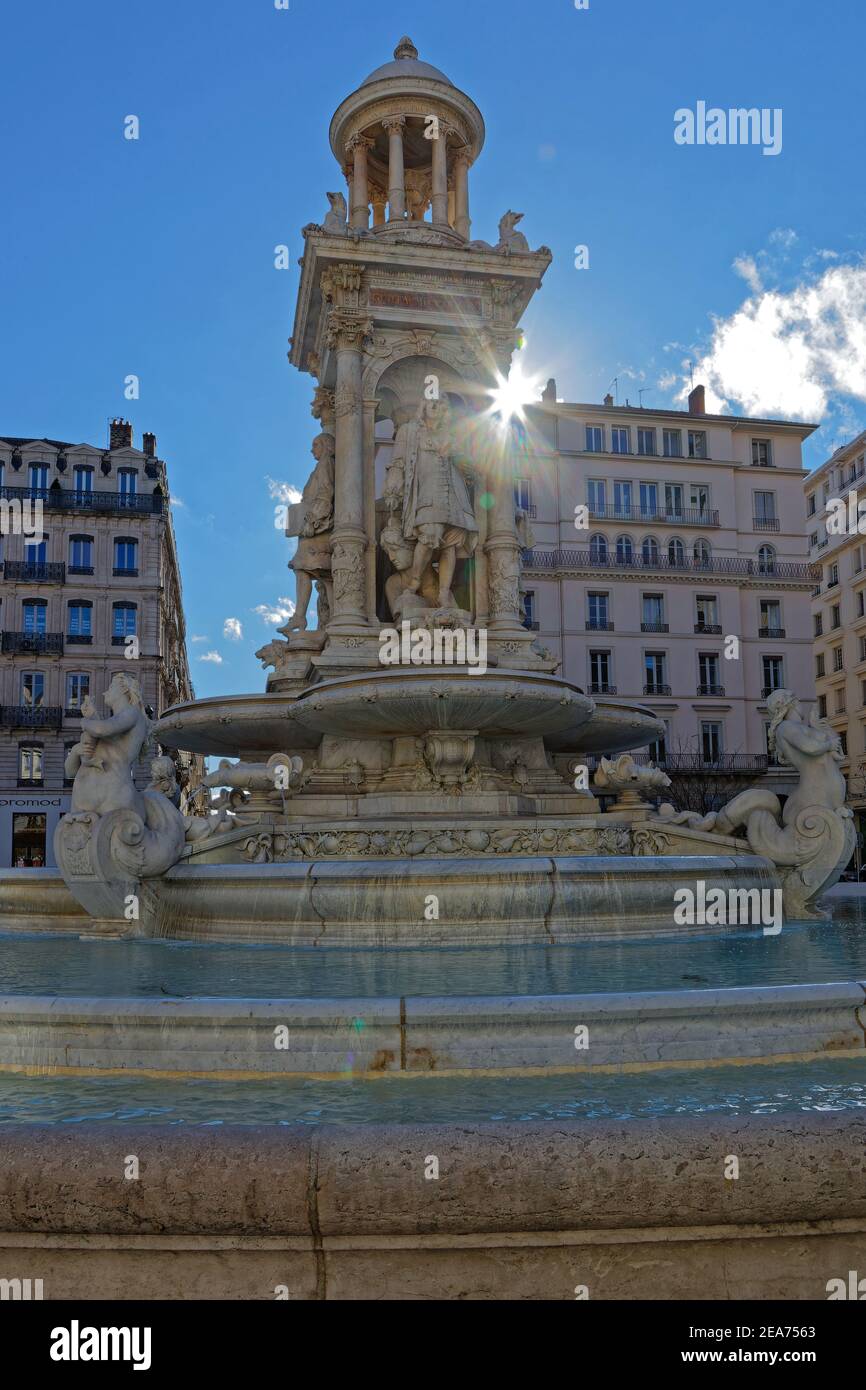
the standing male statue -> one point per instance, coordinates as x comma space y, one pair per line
312, 559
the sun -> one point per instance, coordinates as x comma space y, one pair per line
511, 394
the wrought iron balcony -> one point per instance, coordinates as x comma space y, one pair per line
601, 688
56, 499
44, 643
709, 629
677, 516
572, 559
120, 573
768, 690
771, 632
697, 762
80, 569
654, 627
711, 689
599, 625
31, 716
35, 574
656, 688
765, 523
79, 639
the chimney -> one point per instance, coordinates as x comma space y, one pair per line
148, 445
697, 405
120, 434
548, 395
608, 400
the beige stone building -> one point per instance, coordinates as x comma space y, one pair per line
691, 534
100, 592
839, 608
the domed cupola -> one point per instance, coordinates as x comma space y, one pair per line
406, 140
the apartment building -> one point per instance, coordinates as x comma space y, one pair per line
670, 565
839, 606
96, 591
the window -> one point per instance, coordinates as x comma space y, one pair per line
819, 624
523, 494
765, 511
619, 440
843, 739
624, 550
766, 560
712, 742
38, 474
81, 554
832, 575
595, 439
697, 444
819, 666
773, 677
646, 442
761, 453
676, 552
672, 443
836, 616
35, 611
649, 499
654, 671
597, 609
599, 672
31, 688
673, 499
598, 550
650, 550
653, 611
840, 700
837, 659
860, 605
79, 620
863, 648
822, 706
858, 559
813, 538
702, 552
124, 619
77, 689
699, 498
622, 498
82, 480
771, 615
30, 763
596, 495
36, 552
707, 611
708, 669
125, 555
127, 482
28, 840
810, 504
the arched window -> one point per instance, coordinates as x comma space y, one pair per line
598, 550
81, 554
624, 550
676, 551
650, 550
702, 552
766, 559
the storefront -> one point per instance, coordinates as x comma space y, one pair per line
27, 830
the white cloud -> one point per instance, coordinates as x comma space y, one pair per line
276, 613
282, 492
232, 629
789, 352
197, 637
747, 268
212, 656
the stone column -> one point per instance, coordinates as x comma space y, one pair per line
440, 177
347, 331
462, 223
396, 175
379, 199
502, 547
360, 218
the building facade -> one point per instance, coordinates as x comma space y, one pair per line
90, 586
839, 608
670, 565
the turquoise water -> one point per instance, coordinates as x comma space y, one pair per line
750, 1090
801, 954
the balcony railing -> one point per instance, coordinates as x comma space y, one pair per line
601, 688
709, 629
79, 639
44, 643
31, 716
55, 499
35, 574
711, 689
656, 688
677, 516
696, 762
599, 625
655, 627
567, 559
771, 632
765, 523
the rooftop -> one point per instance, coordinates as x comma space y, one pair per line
406, 64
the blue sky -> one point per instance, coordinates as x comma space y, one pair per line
156, 256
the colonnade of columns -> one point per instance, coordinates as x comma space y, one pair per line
449, 208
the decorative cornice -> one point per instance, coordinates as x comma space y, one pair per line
348, 330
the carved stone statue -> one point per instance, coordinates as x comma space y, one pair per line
812, 838
436, 515
312, 559
337, 218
